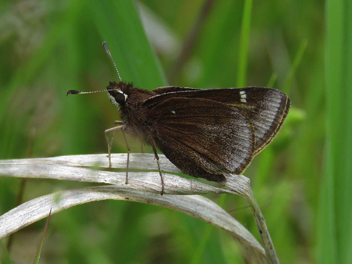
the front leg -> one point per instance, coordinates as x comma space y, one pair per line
118, 122
109, 142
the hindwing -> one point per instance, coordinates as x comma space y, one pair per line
200, 135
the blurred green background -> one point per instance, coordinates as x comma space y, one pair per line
301, 181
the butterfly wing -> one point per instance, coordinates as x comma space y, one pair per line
170, 89
203, 138
266, 108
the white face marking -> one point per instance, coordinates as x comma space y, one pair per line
243, 96
112, 99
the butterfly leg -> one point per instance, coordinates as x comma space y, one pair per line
118, 122
109, 142
128, 155
157, 161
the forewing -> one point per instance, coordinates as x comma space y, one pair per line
197, 132
171, 89
265, 108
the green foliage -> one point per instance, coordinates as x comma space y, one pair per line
334, 233
49, 47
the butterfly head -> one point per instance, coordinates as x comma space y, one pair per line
118, 92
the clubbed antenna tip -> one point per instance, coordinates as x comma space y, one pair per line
72, 92
109, 53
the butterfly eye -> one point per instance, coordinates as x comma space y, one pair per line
117, 97
120, 98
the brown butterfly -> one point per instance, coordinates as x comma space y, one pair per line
205, 133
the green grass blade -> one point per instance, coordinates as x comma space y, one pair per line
335, 217
5, 257
119, 25
244, 41
296, 62
40, 246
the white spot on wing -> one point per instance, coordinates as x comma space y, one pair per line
243, 97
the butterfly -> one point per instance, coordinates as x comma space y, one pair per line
204, 132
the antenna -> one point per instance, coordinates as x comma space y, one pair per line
80, 92
90, 92
109, 53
